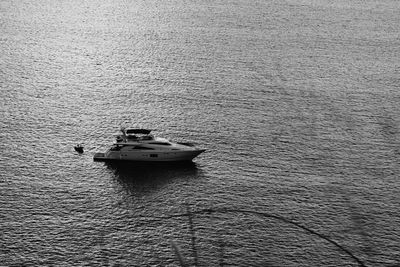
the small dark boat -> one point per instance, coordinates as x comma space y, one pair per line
78, 148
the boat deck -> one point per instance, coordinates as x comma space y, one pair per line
99, 157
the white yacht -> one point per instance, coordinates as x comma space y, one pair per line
140, 145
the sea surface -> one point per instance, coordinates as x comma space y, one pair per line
297, 103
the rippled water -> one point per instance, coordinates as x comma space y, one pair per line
296, 102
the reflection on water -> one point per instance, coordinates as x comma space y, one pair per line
135, 175
143, 171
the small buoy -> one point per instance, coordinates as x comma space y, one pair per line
79, 148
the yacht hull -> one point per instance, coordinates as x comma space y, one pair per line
149, 156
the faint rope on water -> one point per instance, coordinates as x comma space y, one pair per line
264, 214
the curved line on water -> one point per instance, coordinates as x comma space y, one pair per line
264, 214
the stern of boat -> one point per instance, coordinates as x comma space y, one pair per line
99, 157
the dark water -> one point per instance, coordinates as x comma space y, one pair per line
297, 103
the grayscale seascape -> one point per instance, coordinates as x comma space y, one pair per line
297, 103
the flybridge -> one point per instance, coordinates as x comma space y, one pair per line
136, 131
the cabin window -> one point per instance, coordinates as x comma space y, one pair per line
142, 148
160, 143
153, 155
